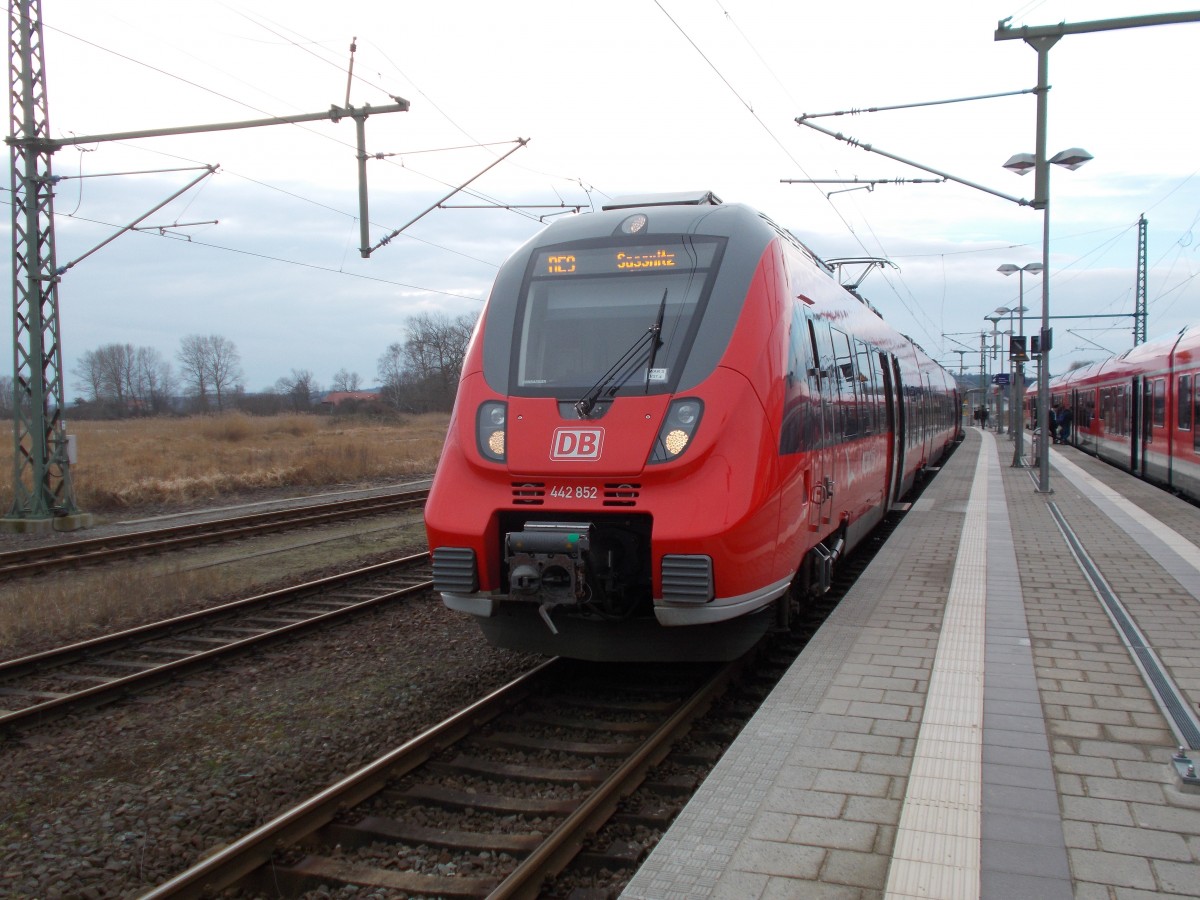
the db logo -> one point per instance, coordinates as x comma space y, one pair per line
577, 443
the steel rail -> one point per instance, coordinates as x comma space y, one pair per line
562, 844
154, 674
91, 550
245, 855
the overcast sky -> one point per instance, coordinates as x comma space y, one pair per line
616, 97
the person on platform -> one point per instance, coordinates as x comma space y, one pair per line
1062, 419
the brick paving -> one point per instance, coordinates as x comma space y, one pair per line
1068, 782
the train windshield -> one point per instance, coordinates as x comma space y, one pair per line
589, 316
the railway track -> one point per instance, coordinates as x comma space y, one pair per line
556, 785
45, 685
491, 802
49, 557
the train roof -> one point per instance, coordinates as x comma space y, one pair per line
748, 231
676, 198
1182, 346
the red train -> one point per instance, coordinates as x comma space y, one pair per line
671, 422
1141, 410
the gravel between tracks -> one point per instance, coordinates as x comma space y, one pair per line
111, 802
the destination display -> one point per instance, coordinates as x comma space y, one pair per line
641, 258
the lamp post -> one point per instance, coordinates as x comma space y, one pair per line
995, 320
1021, 163
1012, 379
983, 373
1041, 39
1019, 375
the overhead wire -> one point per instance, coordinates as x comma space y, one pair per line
280, 259
588, 189
888, 277
779, 143
268, 114
348, 215
306, 47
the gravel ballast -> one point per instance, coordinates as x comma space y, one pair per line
111, 802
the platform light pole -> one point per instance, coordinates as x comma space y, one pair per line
995, 320
1013, 417
1021, 163
1007, 269
1041, 39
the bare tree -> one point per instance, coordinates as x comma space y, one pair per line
153, 380
346, 381
226, 368
6, 395
299, 388
210, 364
126, 380
90, 372
193, 367
423, 372
392, 375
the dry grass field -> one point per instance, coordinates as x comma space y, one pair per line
154, 463
126, 468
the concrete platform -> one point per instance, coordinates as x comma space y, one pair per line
993, 711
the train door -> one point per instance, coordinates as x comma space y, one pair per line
894, 404
1076, 408
1140, 424
1178, 412
1086, 425
928, 426
824, 439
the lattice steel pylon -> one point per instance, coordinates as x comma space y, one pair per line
1139, 309
42, 492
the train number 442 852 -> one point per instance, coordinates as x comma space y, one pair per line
579, 492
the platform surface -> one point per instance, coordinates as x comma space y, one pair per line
993, 710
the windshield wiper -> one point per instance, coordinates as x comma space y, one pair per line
622, 370
657, 329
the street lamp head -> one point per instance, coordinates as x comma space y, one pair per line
1071, 159
1010, 269
1021, 163
1024, 163
1004, 310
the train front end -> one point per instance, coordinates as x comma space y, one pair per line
607, 489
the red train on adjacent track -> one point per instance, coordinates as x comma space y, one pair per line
672, 420
1141, 410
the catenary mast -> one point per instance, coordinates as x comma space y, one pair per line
42, 492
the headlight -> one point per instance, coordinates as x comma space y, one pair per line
683, 418
491, 427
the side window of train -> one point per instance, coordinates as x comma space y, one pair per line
1184, 405
1160, 402
847, 383
826, 378
1195, 415
879, 364
801, 384
869, 389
